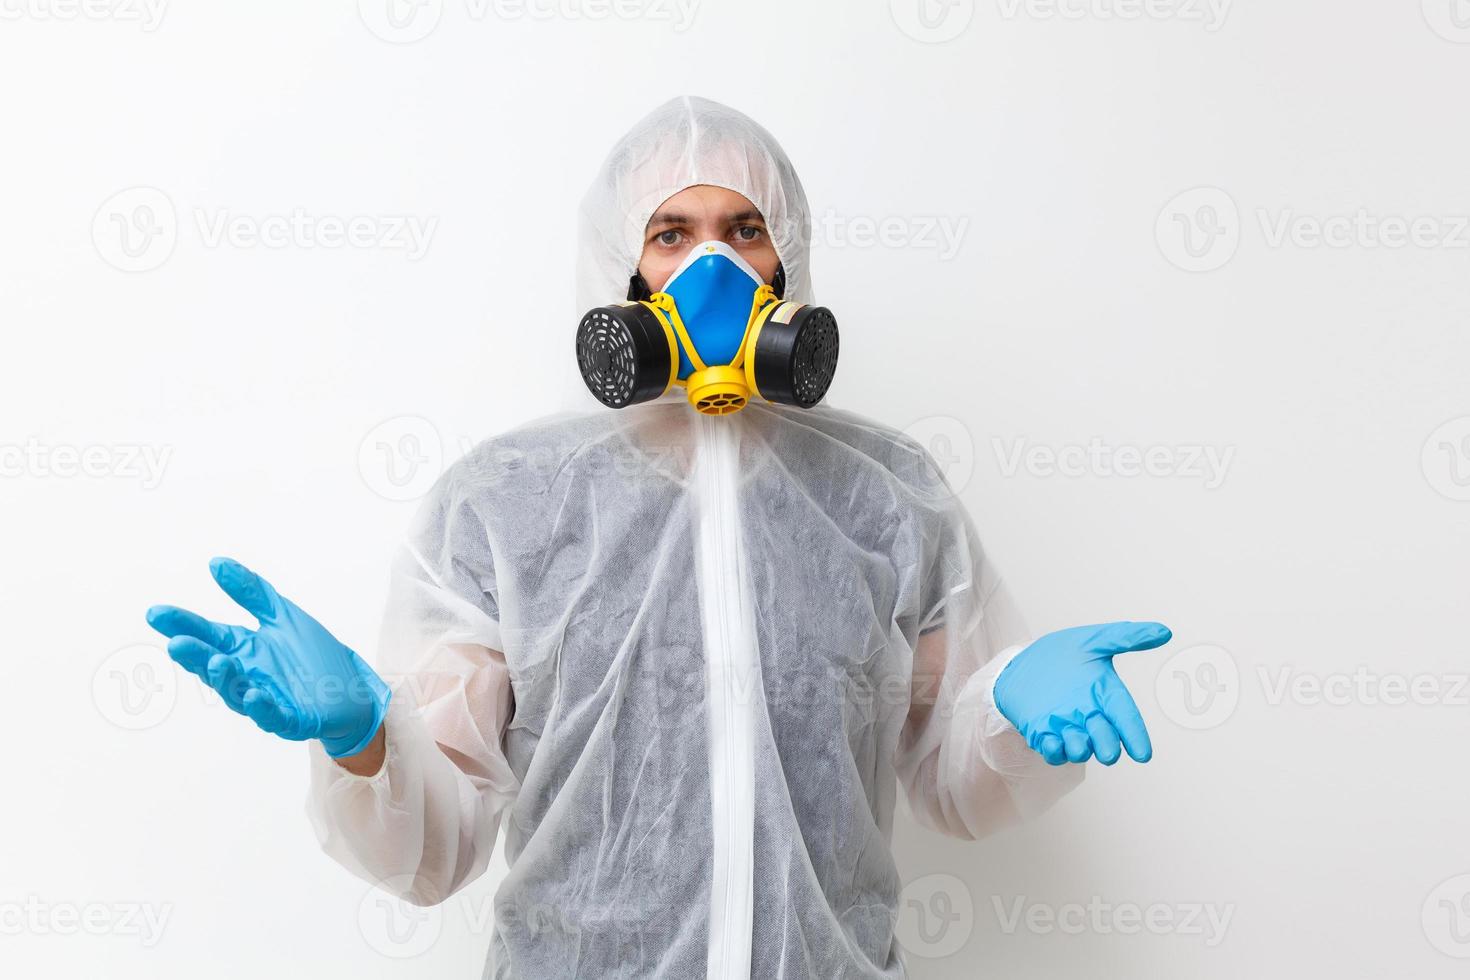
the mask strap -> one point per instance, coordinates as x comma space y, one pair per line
763, 296
664, 303
638, 288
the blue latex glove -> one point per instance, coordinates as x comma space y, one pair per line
1064, 696
290, 676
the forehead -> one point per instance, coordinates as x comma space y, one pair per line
704, 202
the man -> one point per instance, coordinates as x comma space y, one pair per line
684, 660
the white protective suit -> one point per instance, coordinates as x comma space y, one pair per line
684, 661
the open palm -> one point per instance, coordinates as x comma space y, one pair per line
289, 675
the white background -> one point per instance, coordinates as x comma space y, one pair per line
294, 391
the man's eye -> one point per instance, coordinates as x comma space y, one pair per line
748, 233
670, 237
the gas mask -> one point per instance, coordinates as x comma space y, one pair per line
716, 330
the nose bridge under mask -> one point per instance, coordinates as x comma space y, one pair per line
713, 290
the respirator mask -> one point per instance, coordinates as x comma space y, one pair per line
716, 330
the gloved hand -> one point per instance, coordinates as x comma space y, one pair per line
290, 676
1063, 695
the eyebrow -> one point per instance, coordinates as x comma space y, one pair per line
676, 218
668, 218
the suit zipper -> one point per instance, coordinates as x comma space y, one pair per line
731, 678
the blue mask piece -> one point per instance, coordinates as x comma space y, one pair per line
713, 294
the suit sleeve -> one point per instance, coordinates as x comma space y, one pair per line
425, 824
965, 769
